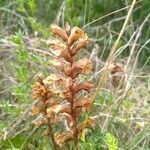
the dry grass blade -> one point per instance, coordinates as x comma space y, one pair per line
113, 50
131, 144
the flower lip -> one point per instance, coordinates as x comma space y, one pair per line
85, 85
60, 108
83, 41
83, 66
75, 34
59, 31
62, 138
54, 78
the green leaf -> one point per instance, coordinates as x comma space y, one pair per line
111, 141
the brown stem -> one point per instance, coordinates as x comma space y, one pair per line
75, 130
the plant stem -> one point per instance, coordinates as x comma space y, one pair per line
76, 144
75, 136
52, 138
75, 129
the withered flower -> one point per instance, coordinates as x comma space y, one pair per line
61, 108
41, 120
75, 34
85, 85
116, 70
60, 50
62, 138
67, 94
83, 102
63, 65
79, 44
83, 66
58, 31
38, 107
57, 94
53, 78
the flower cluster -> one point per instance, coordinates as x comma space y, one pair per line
59, 96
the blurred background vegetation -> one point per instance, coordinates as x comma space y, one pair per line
24, 37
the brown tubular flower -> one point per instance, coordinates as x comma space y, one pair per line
79, 44
75, 34
85, 85
57, 95
43, 94
60, 50
83, 66
62, 138
116, 71
60, 32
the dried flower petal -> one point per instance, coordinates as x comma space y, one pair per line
38, 107
79, 44
53, 78
56, 44
39, 78
66, 94
81, 66
115, 67
50, 92
51, 102
67, 69
62, 138
53, 111
64, 66
40, 91
40, 121
60, 50
59, 31
76, 33
69, 118
69, 82
85, 85
83, 102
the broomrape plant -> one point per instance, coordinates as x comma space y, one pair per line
58, 96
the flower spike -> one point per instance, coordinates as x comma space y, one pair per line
58, 95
